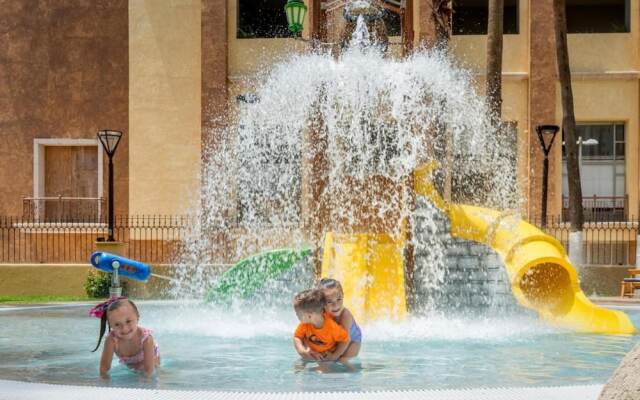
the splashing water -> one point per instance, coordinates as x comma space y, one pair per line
360, 36
332, 143
209, 348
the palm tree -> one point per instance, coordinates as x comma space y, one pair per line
576, 214
494, 59
568, 117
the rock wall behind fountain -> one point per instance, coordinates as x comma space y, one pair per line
455, 275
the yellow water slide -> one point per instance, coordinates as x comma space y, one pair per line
541, 276
371, 270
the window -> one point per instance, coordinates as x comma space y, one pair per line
601, 156
67, 181
470, 17
392, 22
600, 141
262, 19
597, 16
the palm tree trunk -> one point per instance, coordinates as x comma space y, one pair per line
442, 14
568, 120
494, 59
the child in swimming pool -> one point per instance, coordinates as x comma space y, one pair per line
317, 335
133, 344
334, 296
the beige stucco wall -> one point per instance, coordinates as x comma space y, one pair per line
515, 99
514, 109
608, 100
606, 82
472, 49
43, 279
606, 74
610, 51
603, 52
250, 56
69, 279
164, 105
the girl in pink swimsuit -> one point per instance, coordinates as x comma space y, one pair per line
133, 344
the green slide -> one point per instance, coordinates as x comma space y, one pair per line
252, 273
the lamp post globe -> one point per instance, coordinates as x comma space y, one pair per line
296, 11
110, 139
546, 135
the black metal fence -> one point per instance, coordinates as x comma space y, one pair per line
603, 243
158, 239
151, 239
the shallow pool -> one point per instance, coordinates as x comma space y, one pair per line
206, 348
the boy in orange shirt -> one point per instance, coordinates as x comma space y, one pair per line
316, 336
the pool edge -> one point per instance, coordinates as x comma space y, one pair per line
18, 390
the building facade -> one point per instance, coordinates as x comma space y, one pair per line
162, 72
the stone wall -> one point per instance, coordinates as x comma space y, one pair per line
473, 277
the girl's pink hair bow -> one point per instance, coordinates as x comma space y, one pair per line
99, 310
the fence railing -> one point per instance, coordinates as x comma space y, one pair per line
152, 239
63, 209
600, 208
158, 239
603, 243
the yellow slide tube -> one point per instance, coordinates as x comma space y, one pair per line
541, 276
370, 268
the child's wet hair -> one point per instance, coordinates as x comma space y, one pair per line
329, 283
104, 319
311, 300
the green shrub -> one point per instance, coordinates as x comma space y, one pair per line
98, 283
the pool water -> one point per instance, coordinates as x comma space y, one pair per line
206, 348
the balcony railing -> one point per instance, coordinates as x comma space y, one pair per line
63, 209
600, 208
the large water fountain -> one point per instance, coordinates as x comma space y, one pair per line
332, 146
345, 162
333, 155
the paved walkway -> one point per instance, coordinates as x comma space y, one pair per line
627, 301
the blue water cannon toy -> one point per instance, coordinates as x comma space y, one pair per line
122, 266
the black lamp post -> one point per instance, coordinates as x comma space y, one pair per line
109, 140
546, 134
